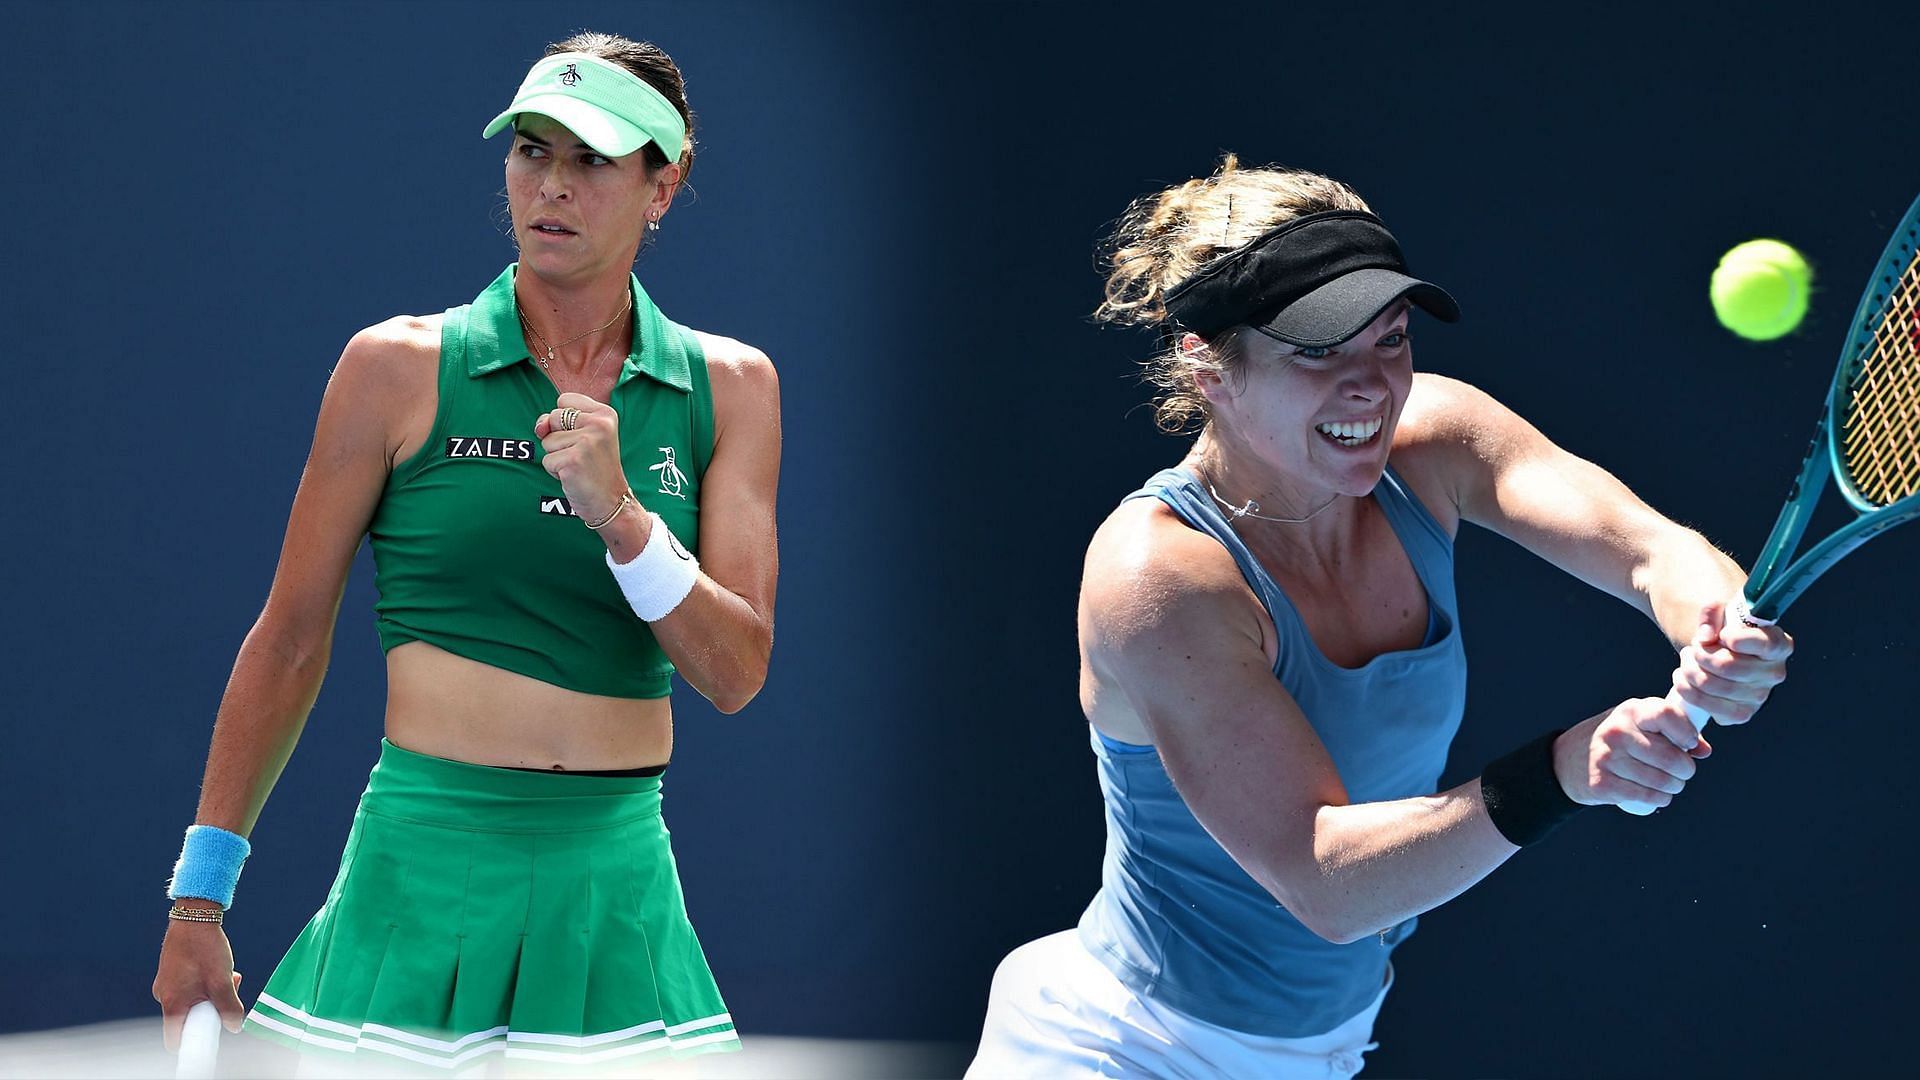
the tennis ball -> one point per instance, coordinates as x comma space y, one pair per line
1760, 289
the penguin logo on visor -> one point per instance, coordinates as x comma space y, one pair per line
571, 75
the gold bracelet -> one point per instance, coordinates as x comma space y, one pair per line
195, 914
625, 498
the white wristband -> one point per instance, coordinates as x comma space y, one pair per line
660, 576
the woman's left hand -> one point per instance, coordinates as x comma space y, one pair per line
585, 459
1729, 672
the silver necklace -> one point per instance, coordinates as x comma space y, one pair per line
546, 362
1252, 509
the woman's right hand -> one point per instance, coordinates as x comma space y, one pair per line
1629, 754
196, 964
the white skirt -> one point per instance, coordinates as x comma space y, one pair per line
1055, 1011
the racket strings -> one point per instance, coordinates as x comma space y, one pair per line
1880, 434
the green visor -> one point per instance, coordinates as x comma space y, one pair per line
610, 108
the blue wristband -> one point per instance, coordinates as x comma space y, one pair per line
209, 866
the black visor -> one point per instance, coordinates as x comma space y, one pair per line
1315, 281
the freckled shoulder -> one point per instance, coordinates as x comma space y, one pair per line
727, 356
1436, 410
400, 351
1437, 438
1143, 559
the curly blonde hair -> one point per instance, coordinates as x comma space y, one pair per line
1167, 237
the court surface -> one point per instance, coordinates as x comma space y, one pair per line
131, 1048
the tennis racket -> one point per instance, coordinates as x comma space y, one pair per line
199, 1043
1867, 440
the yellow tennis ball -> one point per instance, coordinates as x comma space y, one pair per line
1760, 289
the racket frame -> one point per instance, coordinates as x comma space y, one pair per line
1770, 590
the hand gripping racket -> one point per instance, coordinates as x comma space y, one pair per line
1868, 440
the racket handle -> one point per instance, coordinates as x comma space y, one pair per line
1736, 610
1700, 717
199, 1043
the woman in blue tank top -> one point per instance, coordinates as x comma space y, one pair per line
1271, 657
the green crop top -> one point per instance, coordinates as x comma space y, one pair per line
476, 549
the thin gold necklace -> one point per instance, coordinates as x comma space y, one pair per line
546, 362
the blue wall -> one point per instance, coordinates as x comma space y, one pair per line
207, 200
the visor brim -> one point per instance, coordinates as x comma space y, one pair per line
603, 131
1346, 305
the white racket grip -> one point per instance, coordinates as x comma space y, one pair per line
199, 1043
1736, 611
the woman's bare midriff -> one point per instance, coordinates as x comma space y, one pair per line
451, 707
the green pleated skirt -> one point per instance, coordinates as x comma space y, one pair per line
483, 911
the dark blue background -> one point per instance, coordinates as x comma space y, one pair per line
207, 200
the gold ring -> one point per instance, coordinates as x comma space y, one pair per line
569, 418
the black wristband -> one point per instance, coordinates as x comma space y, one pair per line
1523, 796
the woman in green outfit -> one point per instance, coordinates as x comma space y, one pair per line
568, 498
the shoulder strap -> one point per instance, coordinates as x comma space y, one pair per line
1427, 545
453, 372
678, 349
1190, 501
453, 367
453, 334
702, 397
1185, 496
